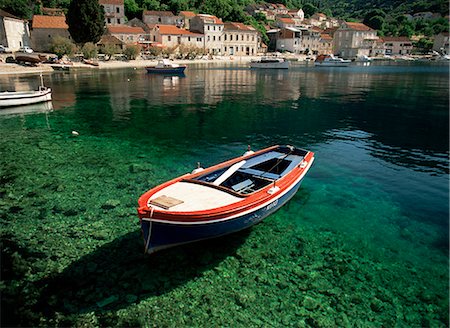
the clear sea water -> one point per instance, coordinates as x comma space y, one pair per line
363, 243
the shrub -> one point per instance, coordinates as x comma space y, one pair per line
132, 51
89, 50
62, 46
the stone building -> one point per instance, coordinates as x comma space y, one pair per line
352, 40
172, 36
126, 34
45, 28
212, 27
114, 11
14, 32
399, 45
441, 43
160, 17
185, 17
239, 39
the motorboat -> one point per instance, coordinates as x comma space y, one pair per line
165, 66
331, 61
270, 62
20, 98
221, 199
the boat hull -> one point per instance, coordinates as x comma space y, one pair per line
9, 99
174, 70
160, 235
332, 64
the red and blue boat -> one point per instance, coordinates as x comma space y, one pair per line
221, 199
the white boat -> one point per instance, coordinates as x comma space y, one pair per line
363, 60
331, 61
165, 66
20, 98
270, 62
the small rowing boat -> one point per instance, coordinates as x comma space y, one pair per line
222, 199
20, 98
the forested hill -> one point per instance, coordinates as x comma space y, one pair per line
383, 15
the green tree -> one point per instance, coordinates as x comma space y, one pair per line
376, 22
86, 20
62, 46
19, 8
424, 45
132, 9
89, 50
109, 49
132, 51
309, 9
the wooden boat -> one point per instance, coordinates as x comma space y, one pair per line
165, 66
20, 98
331, 61
270, 62
222, 199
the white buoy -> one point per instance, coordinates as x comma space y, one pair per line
75, 133
198, 169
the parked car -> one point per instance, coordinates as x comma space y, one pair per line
26, 49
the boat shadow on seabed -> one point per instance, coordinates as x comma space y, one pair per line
118, 274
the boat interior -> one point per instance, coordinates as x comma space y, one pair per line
254, 173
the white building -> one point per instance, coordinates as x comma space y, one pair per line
240, 40
14, 32
213, 29
114, 11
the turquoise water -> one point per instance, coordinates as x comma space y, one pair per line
363, 243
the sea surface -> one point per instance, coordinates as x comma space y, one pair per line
364, 243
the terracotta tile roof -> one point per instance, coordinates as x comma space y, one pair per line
188, 14
6, 14
358, 26
158, 13
286, 20
280, 5
210, 17
326, 37
238, 27
124, 29
110, 39
110, 2
40, 21
316, 29
173, 30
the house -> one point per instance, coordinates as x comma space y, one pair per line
45, 28
173, 36
289, 39
441, 43
400, 45
311, 40
110, 40
114, 11
14, 32
325, 44
160, 17
239, 39
126, 34
297, 15
185, 17
212, 27
352, 40
284, 22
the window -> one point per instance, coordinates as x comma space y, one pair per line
199, 39
209, 38
214, 28
219, 38
225, 37
208, 27
225, 49
169, 38
242, 38
248, 37
108, 20
231, 37
159, 19
189, 38
214, 38
118, 20
118, 10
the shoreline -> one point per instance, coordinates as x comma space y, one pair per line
12, 69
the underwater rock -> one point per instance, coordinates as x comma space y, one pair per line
107, 301
110, 204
